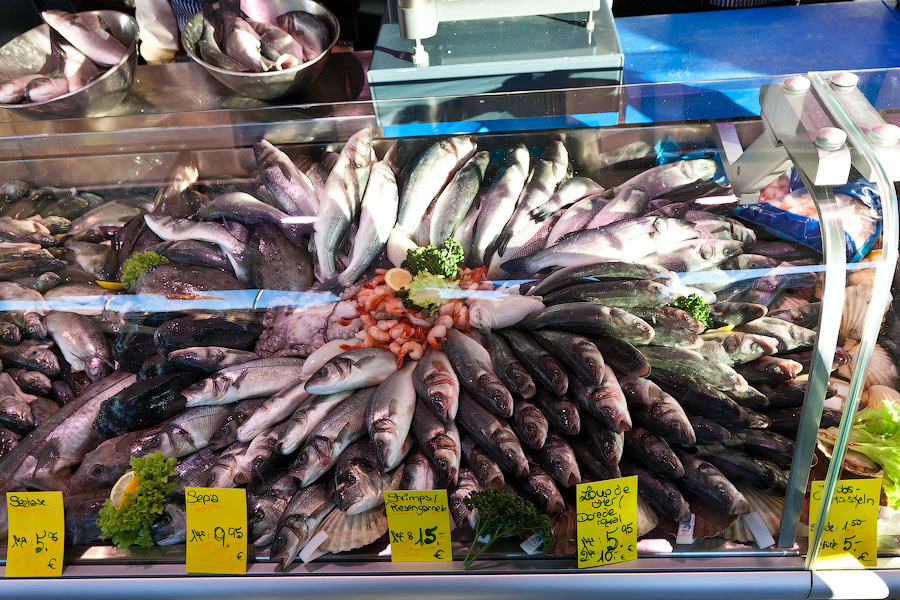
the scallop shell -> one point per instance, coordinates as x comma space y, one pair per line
787, 301
842, 387
881, 369
767, 504
856, 304
862, 276
646, 518
348, 532
879, 395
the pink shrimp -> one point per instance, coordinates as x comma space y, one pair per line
378, 335
413, 349
461, 318
415, 319
449, 308
402, 330
446, 321
385, 325
395, 306
367, 320
437, 335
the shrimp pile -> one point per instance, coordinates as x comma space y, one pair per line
407, 332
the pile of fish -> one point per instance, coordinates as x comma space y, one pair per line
232, 41
577, 370
81, 49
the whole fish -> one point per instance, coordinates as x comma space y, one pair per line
658, 411
340, 204
82, 344
592, 319
568, 193
390, 415
663, 318
32, 382
306, 509
707, 431
738, 467
512, 372
625, 359
483, 466
538, 487
467, 484
696, 255
605, 401
183, 280
764, 444
353, 369
291, 189
546, 370
204, 330
103, 465
802, 316
494, 436
692, 364
576, 217
311, 411
265, 504
621, 294
235, 416
789, 335
376, 221
661, 180
16, 412
735, 313
770, 369
206, 359
418, 472
499, 202
661, 494
211, 53
613, 270
278, 408
558, 457
501, 310
608, 444
530, 424
702, 479
440, 442
561, 412
93, 258
87, 36
284, 266
30, 305
457, 197
787, 421
246, 209
244, 462
653, 452
16, 269
251, 379
357, 480
699, 398
734, 347
144, 404
309, 31
628, 240
577, 352
429, 172
587, 461
465, 231
342, 426
437, 385
472, 363
628, 203
188, 432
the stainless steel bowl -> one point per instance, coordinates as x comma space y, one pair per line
27, 53
272, 84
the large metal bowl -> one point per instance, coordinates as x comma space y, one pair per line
272, 84
28, 52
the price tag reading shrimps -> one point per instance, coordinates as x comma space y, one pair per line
418, 525
850, 537
216, 530
607, 521
36, 531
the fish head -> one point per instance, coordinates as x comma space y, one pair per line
445, 453
312, 461
330, 375
10, 333
170, 527
262, 520
500, 397
590, 357
357, 485
700, 169
758, 345
289, 540
388, 445
34, 326
47, 360
96, 368
209, 389
99, 470
359, 149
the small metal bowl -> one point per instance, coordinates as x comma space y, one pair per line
28, 52
272, 84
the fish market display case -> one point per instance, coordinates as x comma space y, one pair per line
549, 355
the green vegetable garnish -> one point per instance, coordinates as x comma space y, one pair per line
502, 513
135, 265
130, 524
426, 291
695, 305
443, 260
876, 434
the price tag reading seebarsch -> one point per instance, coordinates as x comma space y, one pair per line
606, 523
216, 530
418, 525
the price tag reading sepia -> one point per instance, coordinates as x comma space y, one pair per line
216, 530
606, 524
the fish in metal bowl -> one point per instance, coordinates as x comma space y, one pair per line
74, 65
267, 55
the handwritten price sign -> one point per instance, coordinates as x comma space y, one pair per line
850, 537
607, 513
216, 530
36, 531
418, 525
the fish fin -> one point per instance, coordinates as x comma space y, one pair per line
516, 265
499, 245
332, 284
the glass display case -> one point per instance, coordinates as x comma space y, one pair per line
683, 282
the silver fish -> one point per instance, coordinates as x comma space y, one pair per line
206, 359
436, 384
311, 411
557, 456
275, 41
89, 37
693, 365
790, 336
309, 31
82, 344
628, 203
455, 200
265, 504
499, 202
188, 432
493, 435
467, 484
353, 369
657, 411
246, 209
735, 347
418, 472
663, 179
440, 442
606, 400
390, 415
568, 193
340, 204
251, 379
539, 487
46, 88
242, 43
292, 190
485, 468
244, 462
592, 319
278, 408
576, 217
358, 485
695, 255
703, 479
530, 424
210, 52
30, 307
472, 363
307, 508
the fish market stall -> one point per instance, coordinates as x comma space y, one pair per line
317, 312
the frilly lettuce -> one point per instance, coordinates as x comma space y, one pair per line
427, 290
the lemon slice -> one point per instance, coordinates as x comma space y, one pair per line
110, 285
397, 278
127, 484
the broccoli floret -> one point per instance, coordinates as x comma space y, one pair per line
695, 305
443, 260
136, 264
502, 513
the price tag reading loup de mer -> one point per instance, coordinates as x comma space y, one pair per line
36, 531
850, 537
418, 525
606, 526
216, 530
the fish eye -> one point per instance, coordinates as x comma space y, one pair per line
98, 471
721, 488
351, 480
165, 519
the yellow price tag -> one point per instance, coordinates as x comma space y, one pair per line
607, 517
36, 534
418, 525
851, 534
216, 530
